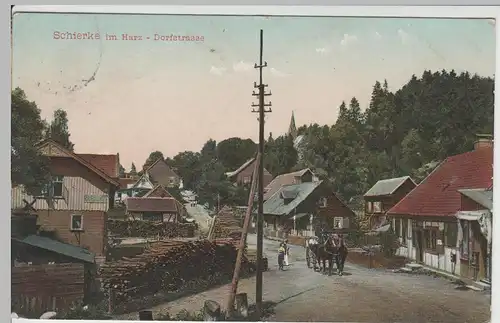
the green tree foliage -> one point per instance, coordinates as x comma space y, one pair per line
153, 157
280, 155
233, 152
188, 166
133, 169
58, 129
407, 132
404, 132
28, 167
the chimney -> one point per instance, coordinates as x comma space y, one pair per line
483, 141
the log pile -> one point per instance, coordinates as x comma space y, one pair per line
144, 229
227, 225
167, 266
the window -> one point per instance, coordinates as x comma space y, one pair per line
464, 247
337, 222
430, 239
55, 187
76, 222
322, 202
451, 233
377, 207
369, 207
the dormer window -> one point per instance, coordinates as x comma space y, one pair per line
322, 202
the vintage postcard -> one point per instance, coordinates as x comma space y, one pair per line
176, 167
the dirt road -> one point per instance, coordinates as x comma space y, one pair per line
362, 295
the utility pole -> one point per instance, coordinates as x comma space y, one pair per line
260, 218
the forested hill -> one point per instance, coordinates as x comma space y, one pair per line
402, 132
406, 132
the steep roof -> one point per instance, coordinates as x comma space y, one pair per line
275, 205
387, 186
281, 180
109, 164
160, 166
55, 246
151, 204
159, 189
438, 195
60, 151
482, 196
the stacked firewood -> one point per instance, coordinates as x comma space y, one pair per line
227, 225
131, 228
167, 266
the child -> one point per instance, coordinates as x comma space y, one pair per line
281, 256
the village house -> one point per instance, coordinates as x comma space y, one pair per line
160, 173
161, 191
383, 196
243, 175
155, 209
426, 219
301, 176
303, 209
133, 188
30, 248
82, 189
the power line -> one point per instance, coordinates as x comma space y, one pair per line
260, 217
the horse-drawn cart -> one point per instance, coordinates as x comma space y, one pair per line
329, 248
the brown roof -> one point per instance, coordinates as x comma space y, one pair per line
158, 189
78, 158
151, 204
280, 180
107, 163
160, 172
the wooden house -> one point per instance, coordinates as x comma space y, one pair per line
82, 189
382, 196
304, 209
160, 173
243, 175
298, 177
156, 209
426, 218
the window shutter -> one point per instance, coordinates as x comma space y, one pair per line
345, 223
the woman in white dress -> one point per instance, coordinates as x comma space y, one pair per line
287, 251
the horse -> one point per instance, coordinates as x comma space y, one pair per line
323, 252
340, 253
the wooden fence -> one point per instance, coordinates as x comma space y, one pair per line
40, 288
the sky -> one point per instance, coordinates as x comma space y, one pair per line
136, 96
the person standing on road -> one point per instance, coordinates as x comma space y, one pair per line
281, 256
287, 251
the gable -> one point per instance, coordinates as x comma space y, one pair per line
160, 168
158, 191
143, 182
52, 150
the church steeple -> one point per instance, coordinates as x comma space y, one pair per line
292, 129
